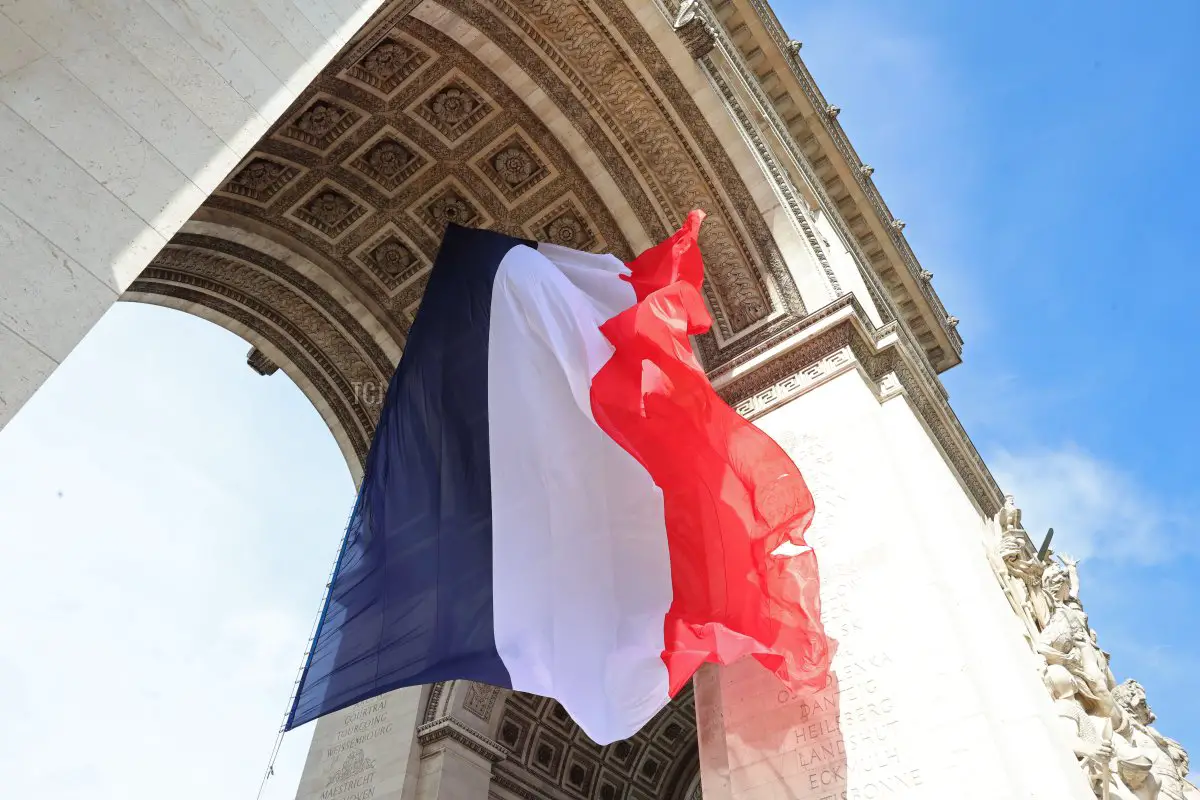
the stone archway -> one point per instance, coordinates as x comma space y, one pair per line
557, 121
541, 754
531, 117
592, 123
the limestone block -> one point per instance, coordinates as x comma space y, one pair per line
366, 752
16, 48
42, 283
55, 196
250, 24
109, 70
294, 25
168, 57
25, 367
322, 16
934, 693
212, 38
76, 122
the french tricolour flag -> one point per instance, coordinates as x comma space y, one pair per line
556, 500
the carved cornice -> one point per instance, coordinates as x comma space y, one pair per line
824, 116
450, 728
841, 337
510, 783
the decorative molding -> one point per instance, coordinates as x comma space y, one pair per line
433, 709
303, 286
258, 361
449, 728
481, 699
839, 338
765, 109
783, 182
841, 143
694, 31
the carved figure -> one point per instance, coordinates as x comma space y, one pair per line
1010, 515
1169, 761
1013, 550
1066, 639
1084, 732
1133, 780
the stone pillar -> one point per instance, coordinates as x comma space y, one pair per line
456, 762
427, 743
118, 118
367, 752
934, 692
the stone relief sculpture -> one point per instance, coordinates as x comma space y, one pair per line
1015, 551
1107, 725
1066, 638
1169, 761
1090, 737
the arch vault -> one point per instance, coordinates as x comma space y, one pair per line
597, 124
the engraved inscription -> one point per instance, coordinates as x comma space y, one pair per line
846, 737
351, 771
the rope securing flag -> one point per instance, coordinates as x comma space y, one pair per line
557, 501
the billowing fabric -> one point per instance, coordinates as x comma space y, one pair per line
732, 496
557, 502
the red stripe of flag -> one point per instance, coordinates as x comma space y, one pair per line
731, 494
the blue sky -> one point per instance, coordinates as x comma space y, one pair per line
1042, 160
1044, 157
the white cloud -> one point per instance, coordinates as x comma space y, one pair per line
1097, 511
157, 611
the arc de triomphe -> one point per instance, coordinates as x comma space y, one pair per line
283, 168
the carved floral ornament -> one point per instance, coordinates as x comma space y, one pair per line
260, 174
389, 64
392, 256
454, 109
389, 157
1108, 725
320, 119
386, 60
261, 179
566, 230
514, 166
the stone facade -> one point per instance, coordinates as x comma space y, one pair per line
298, 201
118, 118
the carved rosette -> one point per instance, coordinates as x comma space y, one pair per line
321, 124
330, 212
389, 64
454, 109
261, 179
389, 162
